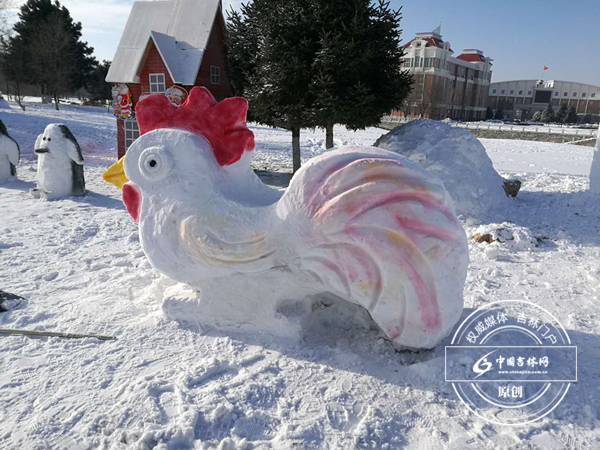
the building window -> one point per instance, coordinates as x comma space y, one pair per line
574, 94
528, 92
131, 132
215, 75
493, 91
503, 91
556, 93
566, 93
593, 95
520, 92
583, 94
157, 82
512, 92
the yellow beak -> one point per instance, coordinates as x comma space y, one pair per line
115, 174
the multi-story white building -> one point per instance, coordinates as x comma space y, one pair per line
445, 86
520, 99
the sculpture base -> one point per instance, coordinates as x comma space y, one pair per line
311, 318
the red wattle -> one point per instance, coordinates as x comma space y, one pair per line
131, 199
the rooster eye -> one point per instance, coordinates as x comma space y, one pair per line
155, 163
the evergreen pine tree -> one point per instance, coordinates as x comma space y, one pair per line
277, 80
97, 86
561, 114
548, 114
49, 41
357, 76
315, 63
571, 115
499, 114
489, 113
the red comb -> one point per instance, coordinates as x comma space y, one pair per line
222, 123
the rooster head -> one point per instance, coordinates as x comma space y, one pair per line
189, 142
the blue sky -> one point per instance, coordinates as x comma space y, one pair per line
521, 36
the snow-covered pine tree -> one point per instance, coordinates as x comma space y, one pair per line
499, 114
548, 114
357, 76
571, 115
537, 116
561, 114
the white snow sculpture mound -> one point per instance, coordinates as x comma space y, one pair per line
456, 156
60, 164
595, 171
9, 155
358, 223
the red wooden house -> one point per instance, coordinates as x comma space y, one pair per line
167, 47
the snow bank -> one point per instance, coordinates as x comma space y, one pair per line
456, 156
595, 171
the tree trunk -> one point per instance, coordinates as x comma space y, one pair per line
56, 101
329, 136
296, 148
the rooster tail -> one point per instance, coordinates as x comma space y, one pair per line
381, 227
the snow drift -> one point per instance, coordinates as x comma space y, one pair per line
456, 156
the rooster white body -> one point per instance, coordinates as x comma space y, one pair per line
358, 223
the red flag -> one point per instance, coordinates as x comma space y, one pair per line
545, 68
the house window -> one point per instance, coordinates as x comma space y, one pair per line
131, 132
520, 92
503, 91
157, 82
574, 94
556, 93
583, 94
512, 92
493, 91
215, 75
593, 95
566, 93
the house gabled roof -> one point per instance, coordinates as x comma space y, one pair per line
180, 30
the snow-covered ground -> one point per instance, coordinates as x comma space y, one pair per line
164, 385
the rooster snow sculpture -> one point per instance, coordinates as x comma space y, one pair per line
60, 164
9, 155
357, 223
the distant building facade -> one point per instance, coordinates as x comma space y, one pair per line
520, 99
445, 86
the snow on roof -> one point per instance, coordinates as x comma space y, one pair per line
180, 30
